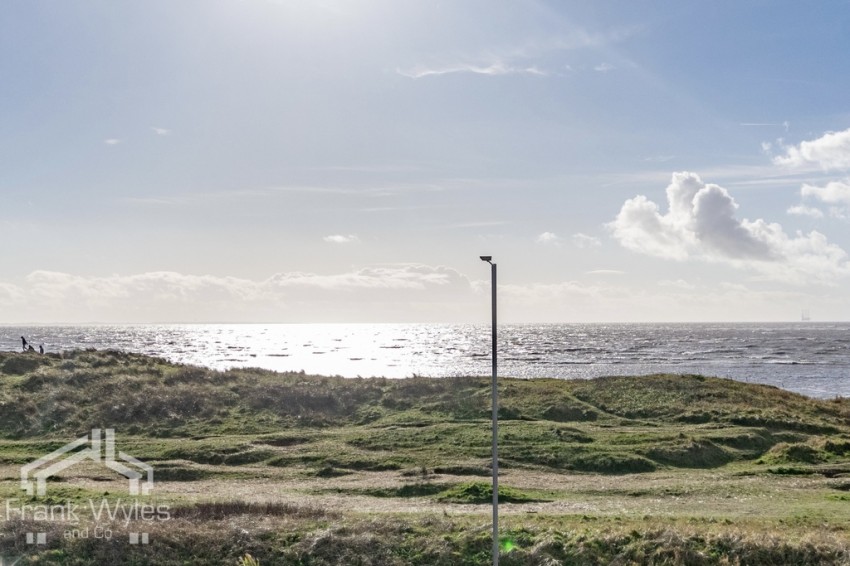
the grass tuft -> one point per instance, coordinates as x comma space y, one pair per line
480, 492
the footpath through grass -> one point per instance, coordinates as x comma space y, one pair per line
299, 469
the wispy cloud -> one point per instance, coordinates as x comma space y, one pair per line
573, 40
166, 296
803, 210
524, 58
497, 68
549, 239
341, 239
112, 141
161, 131
584, 241
604, 67
786, 125
378, 293
579, 240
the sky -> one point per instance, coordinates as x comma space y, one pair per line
350, 160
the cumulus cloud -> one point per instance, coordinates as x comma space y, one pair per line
835, 192
341, 239
830, 152
701, 223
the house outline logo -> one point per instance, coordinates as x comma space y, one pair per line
101, 449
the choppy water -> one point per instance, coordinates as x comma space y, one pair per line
809, 358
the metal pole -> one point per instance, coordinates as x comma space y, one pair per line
489, 259
495, 427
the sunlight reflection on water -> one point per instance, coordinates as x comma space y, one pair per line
810, 358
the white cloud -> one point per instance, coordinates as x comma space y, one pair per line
659, 158
161, 131
835, 192
765, 145
700, 223
112, 141
341, 239
803, 210
388, 293
830, 152
377, 293
842, 213
584, 241
549, 239
405, 276
520, 59
604, 67
606, 272
497, 68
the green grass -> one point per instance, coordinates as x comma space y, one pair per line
661, 469
480, 492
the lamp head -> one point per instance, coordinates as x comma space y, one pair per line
487, 258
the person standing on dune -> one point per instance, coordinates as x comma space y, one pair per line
23, 344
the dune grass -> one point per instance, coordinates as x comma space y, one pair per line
298, 469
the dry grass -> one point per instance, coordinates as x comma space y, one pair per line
298, 469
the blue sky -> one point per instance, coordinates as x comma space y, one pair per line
349, 160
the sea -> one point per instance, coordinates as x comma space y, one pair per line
810, 358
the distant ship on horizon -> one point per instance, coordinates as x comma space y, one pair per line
805, 316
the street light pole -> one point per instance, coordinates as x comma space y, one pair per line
489, 259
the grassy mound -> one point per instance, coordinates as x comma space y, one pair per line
611, 425
480, 492
658, 469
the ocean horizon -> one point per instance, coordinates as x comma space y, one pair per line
811, 358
